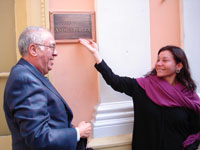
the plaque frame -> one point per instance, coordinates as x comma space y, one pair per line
91, 23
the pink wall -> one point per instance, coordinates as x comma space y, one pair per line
73, 74
165, 25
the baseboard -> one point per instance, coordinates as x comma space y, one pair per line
120, 142
5, 142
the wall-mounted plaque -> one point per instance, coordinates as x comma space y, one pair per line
69, 26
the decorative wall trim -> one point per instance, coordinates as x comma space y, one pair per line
114, 118
43, 16
4, 74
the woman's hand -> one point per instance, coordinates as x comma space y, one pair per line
93, 48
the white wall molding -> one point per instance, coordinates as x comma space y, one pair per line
114, 118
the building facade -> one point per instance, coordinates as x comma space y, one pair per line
127, 32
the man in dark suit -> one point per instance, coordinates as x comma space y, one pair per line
37, 115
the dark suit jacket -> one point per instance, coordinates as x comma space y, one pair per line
37, 116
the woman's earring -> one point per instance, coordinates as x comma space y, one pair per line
177, 71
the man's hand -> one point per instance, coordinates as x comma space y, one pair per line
85, 129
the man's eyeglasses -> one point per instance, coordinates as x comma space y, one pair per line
52, 47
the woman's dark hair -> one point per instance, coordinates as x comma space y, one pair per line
184, 76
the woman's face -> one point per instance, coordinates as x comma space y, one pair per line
166, 66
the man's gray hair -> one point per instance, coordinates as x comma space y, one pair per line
30, 35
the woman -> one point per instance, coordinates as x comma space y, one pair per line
166, 106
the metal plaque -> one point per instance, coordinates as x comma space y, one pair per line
70, 26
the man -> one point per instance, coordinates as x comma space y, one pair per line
37, 115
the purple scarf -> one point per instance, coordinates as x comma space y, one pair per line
164, 94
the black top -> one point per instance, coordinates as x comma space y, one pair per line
155, 127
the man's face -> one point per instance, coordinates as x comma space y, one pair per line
46, 53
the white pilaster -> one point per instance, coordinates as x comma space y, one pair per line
123, 36
191, 26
